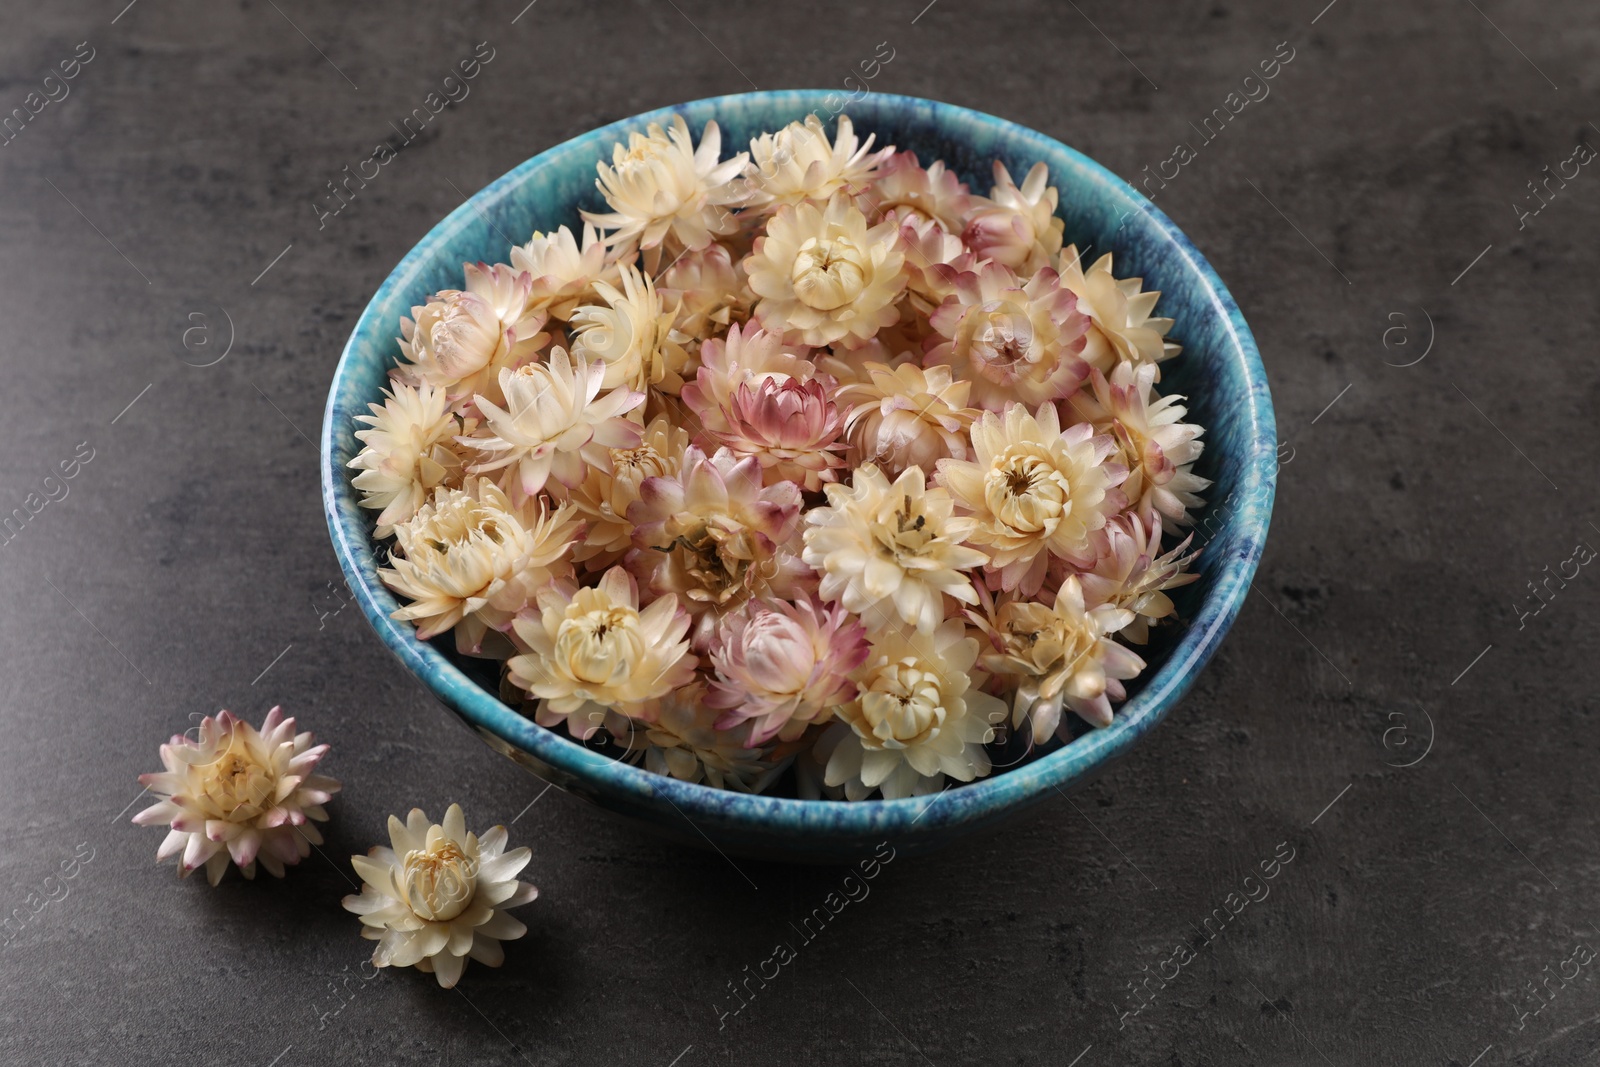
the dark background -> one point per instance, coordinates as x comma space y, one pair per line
189, 567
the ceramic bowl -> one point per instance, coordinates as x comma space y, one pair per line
1220, 371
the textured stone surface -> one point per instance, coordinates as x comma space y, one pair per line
189, 555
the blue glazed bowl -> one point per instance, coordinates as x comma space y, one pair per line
1220, 371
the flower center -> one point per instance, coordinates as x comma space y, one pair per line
908, 535
239, 786
828, 273
904, 703
440, 880
601, 646
1026, 492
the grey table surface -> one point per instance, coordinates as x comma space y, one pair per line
1430, 342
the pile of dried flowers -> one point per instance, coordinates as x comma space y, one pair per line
809, 456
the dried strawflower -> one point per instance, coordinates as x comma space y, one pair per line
914, 195
679, 737
592, 650
462, 340
405, 452
784, 666
661, 184
708, 290
1015, 341
1122, 327
1133, 574
470, 558
798, 163
892, 552
562, 273
790, 427
1017, 227
633, 337
823, 275
440, 895
905, 416
716, 535
918, 719
1035, 490
555, 422
235, 793
1060, 655
607, 491
1153, 441
748, 355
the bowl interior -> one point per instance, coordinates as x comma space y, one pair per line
1220, 371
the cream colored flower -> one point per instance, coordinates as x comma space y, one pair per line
1060, 655
905, 416
405, 452
439, 895
935, 261
562, 273
1132, 573
709, 291
1153, 441
1016, 228
603, 497
471, 559
461, 340
235, 793
633, 338
660, 184
1015, 341
892, 551
715, 535
593, 650
680, 739
913, 195
1035, 491
554, 423
918, 719
798, 163
1122, 328
824, 276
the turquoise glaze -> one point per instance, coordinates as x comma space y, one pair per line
1220, 370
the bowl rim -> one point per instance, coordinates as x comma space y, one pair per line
982, 799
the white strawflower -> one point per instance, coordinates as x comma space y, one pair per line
461, 340
1061, 655
660, 184
678, 737
1016, 227
554, 423
824, 276
472, 557
1153, 441
1132, 573
799, 163
603, 497
562, 272
905, 416
633, 337
405, 452
1119, 312
594, 650
891, 552
1035, 492
235, 793
709, 291
440, 895
918, 719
